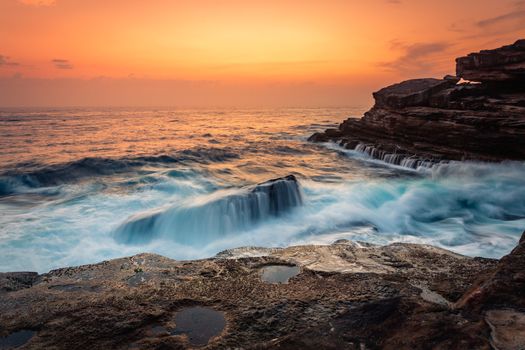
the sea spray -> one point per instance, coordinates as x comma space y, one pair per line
210, 217
62, 198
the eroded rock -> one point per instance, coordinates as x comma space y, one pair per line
504, 64
422, 121
347, 295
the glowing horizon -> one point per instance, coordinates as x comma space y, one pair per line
239, 43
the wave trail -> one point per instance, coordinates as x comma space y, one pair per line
203, 220
15, 181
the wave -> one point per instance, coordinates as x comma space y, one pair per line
214, 216
16, 181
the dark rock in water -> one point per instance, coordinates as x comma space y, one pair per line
282, 193
198, 223
200, 324
423, 121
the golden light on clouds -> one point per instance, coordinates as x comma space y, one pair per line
250, 42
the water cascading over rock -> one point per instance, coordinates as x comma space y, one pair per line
217, 215
420, 122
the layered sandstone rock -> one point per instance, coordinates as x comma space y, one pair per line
425, 120
501, 65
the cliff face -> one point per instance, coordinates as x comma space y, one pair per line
432, 119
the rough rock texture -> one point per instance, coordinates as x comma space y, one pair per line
433, 119
501, 65
346, 296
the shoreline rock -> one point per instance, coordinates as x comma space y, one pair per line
347, 295
429, 120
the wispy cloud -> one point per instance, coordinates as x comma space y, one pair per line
5, 61
514, 19
416, 58
38, 2
509, 23
62, 64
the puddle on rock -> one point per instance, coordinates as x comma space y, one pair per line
279, 273
200, 324
16, 339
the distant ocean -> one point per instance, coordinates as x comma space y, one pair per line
75, 182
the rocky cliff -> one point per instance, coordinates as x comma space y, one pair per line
341, 296
478, 114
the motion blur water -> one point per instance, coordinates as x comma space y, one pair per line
70, 180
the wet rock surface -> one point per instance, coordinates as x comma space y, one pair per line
347, 295
482, 118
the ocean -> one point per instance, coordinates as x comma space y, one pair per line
80, 186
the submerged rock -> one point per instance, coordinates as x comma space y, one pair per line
421, 121
215, 215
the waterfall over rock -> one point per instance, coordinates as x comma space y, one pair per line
477, 115
400, 159
216, 215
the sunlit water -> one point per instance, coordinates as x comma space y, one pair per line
72, 179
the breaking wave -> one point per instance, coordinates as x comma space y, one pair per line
36, 176
204, 220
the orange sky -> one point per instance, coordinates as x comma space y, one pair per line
53, 52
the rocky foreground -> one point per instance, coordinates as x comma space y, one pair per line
479, 114
342, 296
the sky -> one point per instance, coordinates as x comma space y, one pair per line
236, 53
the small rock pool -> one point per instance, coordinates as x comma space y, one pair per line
279, 273
199, 323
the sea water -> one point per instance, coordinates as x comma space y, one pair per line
79, 186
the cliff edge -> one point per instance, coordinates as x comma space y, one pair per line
479, 114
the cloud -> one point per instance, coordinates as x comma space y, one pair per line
62, 64
38, 2
5, 61
515, 17
510, 22
395, 2
417, 58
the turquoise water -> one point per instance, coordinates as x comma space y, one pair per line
71, 180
